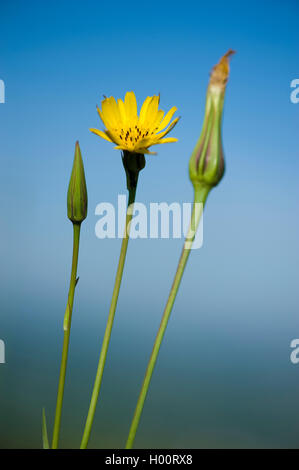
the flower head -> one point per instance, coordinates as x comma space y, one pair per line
206, 165
133, 133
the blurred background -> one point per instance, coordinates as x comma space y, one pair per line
224, 376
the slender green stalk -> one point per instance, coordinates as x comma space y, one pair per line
66, 337
200, 196
106, 340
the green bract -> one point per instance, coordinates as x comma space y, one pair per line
207, 163
77, 191
206, 166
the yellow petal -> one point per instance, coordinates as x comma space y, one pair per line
152, 111
171, 126
122, 112
101, 134
156, 123
131, 105
168, 140
137, 150
108, 113
167, 118
114, 109
143, 111
105, 120
146, 151
119, 147
101, 115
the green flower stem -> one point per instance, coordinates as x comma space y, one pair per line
200, 196
106, 340
66, 337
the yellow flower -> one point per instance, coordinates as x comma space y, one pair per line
131, 132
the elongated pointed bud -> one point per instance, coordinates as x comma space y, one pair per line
206, 165
77, 191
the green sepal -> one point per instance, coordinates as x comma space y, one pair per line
133, 164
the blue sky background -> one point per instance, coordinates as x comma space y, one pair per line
224, 377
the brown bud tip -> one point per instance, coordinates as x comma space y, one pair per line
220, 72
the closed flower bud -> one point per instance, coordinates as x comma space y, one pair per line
77, 191
206, 165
